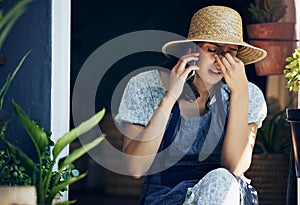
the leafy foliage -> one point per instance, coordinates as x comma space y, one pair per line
272, 137
16, 167
267, 10
8, 19
12, 173
292, 71
49, 182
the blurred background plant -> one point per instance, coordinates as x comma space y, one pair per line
292, 71
264, 11
274, 135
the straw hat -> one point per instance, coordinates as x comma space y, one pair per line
217, 24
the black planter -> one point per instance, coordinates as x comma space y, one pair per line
293, 117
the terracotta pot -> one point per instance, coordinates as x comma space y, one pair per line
277, 39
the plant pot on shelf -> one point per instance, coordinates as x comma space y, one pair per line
277, 38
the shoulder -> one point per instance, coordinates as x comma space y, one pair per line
141, 97
255, 94
145, 85
257, 105
151, 77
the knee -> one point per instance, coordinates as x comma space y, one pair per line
220, 172
221, 176
219, 186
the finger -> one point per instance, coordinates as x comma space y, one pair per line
225, 62
237, 60
233, 61
188, 70
219, 64
181, 65
192, 72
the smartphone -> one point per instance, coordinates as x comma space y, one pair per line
193, 63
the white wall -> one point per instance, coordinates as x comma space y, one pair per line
60, 91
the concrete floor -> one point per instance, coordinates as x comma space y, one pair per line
96, 198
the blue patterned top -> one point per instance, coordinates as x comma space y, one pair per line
191, 147
144, 92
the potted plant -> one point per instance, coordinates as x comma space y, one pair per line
270, 160
19, 170
48, 181
38, 179
266, 32
26, 194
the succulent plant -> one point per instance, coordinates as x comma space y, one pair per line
267, 10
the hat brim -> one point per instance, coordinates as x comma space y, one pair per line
246, 53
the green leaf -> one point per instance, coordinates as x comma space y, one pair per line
66, 202
20, 155
75, 172
8, 19
11, 13
3, 129
57, 188
5, 87
76, 132
289, 59
6, 30
37, 135
77, 153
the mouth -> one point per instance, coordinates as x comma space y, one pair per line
214, 72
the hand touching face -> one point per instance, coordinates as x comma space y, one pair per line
218, 61
233, 70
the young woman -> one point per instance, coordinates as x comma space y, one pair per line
191, 131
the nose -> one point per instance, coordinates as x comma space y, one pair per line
221, 52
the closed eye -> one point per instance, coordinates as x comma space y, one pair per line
212, 50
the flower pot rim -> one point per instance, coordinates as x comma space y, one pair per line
293, 114
271, 23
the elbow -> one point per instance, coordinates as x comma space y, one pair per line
136, 173
137, 168
234, 170
238, 169
137, 176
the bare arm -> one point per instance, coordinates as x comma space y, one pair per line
240, 136
142, 143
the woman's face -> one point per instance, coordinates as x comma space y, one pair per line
208, 71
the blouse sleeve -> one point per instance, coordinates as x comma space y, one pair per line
257, 111
140, 99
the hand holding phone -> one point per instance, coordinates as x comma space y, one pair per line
192, 73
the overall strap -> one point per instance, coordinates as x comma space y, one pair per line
166, 141
171, 127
